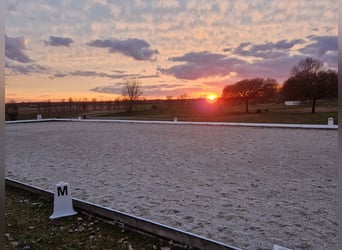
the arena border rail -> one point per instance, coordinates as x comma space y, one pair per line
134, 222
237, 124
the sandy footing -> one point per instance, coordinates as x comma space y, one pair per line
248, 187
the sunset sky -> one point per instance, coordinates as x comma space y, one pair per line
85, 49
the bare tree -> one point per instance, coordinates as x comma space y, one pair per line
131, 91
248, 89
309, 81
307, 69
183, 96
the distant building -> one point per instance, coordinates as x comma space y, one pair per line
292, 103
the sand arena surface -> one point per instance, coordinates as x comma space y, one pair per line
248, 187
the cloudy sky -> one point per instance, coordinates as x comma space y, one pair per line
85, 49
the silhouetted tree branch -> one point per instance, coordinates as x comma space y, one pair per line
250, 88
309, 81
132, 90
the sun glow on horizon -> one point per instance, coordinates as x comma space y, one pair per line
211, 98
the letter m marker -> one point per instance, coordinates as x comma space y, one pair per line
62, 192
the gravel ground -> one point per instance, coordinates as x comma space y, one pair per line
248, 187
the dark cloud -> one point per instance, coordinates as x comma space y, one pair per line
59, 75
58, 41
120, 74
284, 44
204, 57
97, 74
163, 86
272, 59
156, 90
320, 45
265, 50
201, 65
278, 68
132, 47
147, 76
89, 74
119, 71
242, 46
14, 47
113, 89
117, 88
25, 69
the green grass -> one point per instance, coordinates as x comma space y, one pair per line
268, 113
28, 224
216, 112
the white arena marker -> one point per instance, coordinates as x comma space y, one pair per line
39, 117
62, 201
276, 247
330, 121
175, 119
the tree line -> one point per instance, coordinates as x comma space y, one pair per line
307, 81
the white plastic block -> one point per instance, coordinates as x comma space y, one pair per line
62, 201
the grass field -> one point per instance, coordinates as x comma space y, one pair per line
209, 112
28, 227
262, 113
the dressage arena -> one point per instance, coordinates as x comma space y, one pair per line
246, 186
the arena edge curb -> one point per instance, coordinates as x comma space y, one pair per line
236, 124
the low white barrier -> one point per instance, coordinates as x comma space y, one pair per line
241, 124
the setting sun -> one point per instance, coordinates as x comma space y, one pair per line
211, 98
